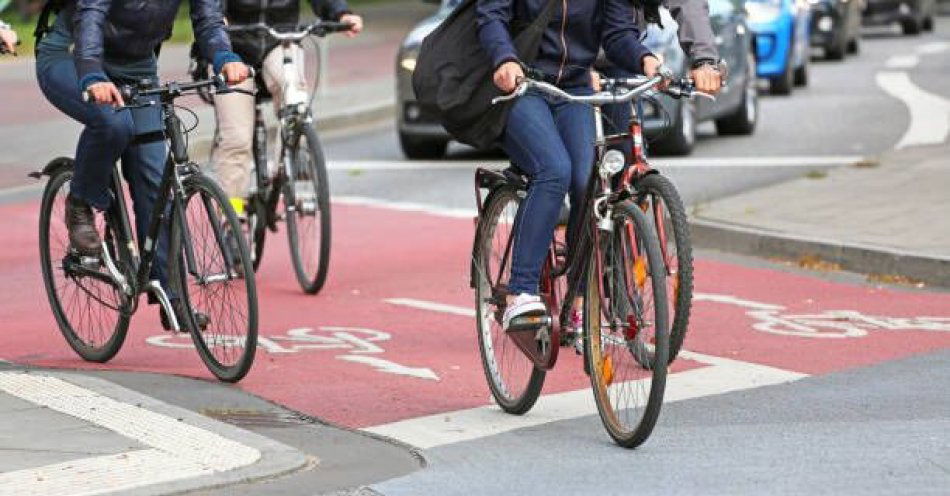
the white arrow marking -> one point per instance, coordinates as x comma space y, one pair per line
389, 367
929, 113
902, 62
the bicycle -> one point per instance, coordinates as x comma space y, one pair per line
614, 261
210, 271
301, 177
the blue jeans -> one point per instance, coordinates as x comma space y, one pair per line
106, 138
553, 143
617, 116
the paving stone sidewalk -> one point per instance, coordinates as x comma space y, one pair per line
887, 216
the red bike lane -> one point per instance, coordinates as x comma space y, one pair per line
390, 337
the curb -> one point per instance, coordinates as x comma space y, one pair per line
275, 458
867, 259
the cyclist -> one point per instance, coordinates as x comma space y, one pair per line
697, 41
114, 42
231, 152
8, 38
552, 142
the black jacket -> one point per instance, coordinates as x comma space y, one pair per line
252, 47
570, 44
129, 30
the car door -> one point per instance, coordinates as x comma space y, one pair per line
729, 32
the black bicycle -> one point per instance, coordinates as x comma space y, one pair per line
209, 265
301, 176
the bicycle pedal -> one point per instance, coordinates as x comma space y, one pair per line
529, 323
90, 262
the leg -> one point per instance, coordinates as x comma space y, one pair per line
617, 116
575, 124
142, 166
233, 139
533, 142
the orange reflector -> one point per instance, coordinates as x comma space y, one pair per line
607, 371
640, 271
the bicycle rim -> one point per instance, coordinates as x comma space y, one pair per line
514, 381
664, 207
307, 205
212, 287
627, 327
92, 314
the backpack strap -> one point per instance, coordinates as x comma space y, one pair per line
42, 23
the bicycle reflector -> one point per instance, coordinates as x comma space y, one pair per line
611, 164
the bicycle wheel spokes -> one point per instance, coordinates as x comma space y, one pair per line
307, 204
90, 309
627, 327
216, 281
513, 379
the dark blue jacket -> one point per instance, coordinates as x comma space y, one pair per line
571, 42
130, 30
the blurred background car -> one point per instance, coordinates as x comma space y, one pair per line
836, 26
912, 15
782, 41
670, 124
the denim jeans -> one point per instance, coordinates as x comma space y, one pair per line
617, 116
553, 143
106, 138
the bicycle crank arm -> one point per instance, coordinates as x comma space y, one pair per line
166, 304
117, 276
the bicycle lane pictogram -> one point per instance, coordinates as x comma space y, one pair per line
351, 355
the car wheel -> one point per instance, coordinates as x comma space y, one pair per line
681, 137
853, 46
836, 50
782, 84
415, 147
928, 24
743, 120
801, 74
911, 27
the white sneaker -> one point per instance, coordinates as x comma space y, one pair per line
523, 305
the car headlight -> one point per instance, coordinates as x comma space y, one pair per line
762, 12
408, 63
612, 163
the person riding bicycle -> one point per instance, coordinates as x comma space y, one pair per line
696, 38
114, 42
231, 152
8, 38
551, 141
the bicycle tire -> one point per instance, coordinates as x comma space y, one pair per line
635, 343
213, 209
488, 315
92, 314
680, 287
315, 171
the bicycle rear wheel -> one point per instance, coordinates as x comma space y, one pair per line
663, 204
307, 205
90, 309
513, 379
626, 326
211, 271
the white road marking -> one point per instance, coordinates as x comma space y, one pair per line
390, 367
933, 47
722, 376
661, 163
435, 307
908, 61
177, 450
929, 113
457, 213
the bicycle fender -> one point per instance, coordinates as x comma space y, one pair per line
53, 167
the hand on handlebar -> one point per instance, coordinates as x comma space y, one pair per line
235, 72
652, 66
355, 22
104, 93
8, 40
508, 76
707, 79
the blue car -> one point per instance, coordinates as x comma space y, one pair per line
782, 29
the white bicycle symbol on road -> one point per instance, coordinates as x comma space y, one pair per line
828, 324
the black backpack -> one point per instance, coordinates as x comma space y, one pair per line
453, 74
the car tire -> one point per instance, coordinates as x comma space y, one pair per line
853, 46
743, 120
417, 148
801, 74
681, 137
782, 84
837, 50
911, 27
927, 24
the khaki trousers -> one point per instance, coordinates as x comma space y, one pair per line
231, 153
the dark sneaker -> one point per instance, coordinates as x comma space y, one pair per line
201, 318
81, 224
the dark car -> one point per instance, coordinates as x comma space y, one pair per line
913, 15
735, 110
670, 124
836, 26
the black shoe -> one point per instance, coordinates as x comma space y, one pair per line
201, 318
81, 224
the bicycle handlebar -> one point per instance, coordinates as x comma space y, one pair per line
319, 28
171, 90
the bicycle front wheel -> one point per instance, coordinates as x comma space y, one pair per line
663, 204
90, 309
513, 379
210, 270
307, 210
627, 327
